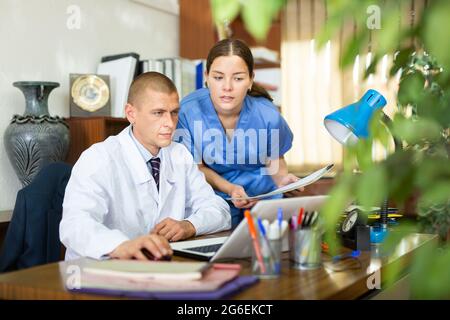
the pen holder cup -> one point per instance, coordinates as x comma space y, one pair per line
305, 248
268, 264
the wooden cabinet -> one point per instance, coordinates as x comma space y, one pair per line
84, 132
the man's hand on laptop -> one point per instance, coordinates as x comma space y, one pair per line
174, 230
148, 247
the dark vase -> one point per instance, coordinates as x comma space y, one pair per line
35, 139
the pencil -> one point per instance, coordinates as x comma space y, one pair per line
251, 229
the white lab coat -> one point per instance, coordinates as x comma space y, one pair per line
111, 197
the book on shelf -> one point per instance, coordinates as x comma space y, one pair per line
121, 73
124, 55
264, 55
270, 79
186, 74
134, 269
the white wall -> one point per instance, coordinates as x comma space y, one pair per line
36, 44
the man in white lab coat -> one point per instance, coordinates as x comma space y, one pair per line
132, 193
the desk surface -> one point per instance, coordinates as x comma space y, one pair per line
47, 281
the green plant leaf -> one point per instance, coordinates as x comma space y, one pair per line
435, 219
225, 10
411, 88
414, 131
434, 108
401, 170
352, 49
390, 247
438, 193
436, 31
389, 35
363, 151
257, 16
401, 60
372, 67
276, 6
340, 197
378, 129
429, 273
371, 186
433, 169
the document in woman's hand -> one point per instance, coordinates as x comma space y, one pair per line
313, 177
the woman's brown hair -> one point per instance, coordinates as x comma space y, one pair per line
230, 47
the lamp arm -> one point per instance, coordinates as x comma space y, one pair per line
384, 210
388, 122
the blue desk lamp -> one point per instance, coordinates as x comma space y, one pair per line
351, 123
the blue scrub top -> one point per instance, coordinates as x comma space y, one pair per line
261, 134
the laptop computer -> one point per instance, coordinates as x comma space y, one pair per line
238, 244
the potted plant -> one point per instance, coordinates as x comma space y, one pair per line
422, 121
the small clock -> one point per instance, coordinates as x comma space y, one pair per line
354, 231
349, 222
90, 95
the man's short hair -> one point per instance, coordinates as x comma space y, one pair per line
150, 80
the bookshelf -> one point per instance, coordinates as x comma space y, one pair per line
84, 132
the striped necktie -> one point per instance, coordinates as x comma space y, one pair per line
155, 163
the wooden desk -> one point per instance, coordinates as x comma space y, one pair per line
47, 282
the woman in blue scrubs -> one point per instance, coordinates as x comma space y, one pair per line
234, 131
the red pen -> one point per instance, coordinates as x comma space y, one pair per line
300, 216
252, 230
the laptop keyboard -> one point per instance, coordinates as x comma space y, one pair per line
206, 249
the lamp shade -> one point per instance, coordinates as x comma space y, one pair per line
351, 123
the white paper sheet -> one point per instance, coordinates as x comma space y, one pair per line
313, 177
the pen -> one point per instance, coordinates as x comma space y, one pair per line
314, 218
294, 222
306, 220
280, 218
300, 216
291, 224
265, 223
251, 229
353, 254
264, 234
